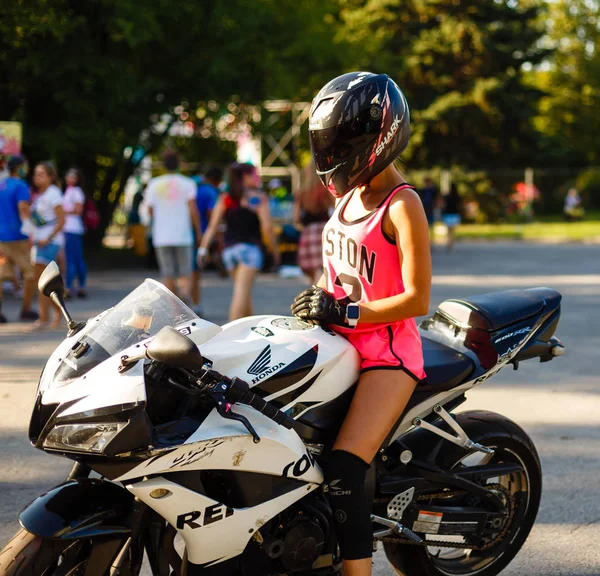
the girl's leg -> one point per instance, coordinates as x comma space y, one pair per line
81, 265
82, 269
61, 260
451, 238
43, 301
241, 302
71, 256
379, 400
57, 321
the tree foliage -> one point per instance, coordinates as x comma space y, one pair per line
85, 78
460, 63
568, 113
89, 78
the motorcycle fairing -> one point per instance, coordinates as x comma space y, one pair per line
234, 351
221, 444
212, 532
47, 376
103, 385
507, 343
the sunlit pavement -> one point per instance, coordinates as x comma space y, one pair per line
557, 403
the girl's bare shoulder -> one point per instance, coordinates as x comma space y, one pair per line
405, 200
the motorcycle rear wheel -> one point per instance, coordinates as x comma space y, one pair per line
511, 444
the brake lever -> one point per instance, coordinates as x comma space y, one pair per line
224, 410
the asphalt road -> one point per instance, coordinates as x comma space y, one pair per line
557, 403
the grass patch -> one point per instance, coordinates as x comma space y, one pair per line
547, 229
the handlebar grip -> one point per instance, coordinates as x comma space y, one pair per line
268, 410
239, 391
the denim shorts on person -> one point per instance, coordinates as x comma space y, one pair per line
247, 254
174, 261
451, 220
44, 254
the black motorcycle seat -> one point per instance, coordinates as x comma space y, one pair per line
496, 310
445, 367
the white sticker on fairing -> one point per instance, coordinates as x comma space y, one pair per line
428, 522
292, 324
513, 334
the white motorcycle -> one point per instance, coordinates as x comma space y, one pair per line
203, 446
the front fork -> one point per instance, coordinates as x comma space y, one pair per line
79, 470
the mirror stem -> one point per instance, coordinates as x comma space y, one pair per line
73, 326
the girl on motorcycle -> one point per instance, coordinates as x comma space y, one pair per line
376, 280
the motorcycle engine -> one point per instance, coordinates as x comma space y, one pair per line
291, 543
302, 544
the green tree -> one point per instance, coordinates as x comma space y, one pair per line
568, 113
87, 79
460, 63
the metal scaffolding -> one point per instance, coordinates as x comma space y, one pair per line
277, 162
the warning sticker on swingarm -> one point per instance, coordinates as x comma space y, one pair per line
428, 522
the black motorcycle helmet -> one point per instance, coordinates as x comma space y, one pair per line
359, 124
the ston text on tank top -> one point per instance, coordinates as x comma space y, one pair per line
361, 263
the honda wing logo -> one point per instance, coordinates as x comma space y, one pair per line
261, 364
260, 367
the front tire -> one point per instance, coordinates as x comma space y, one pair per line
30, 555
511, 444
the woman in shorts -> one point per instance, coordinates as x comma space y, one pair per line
451, 215
245, 211
74, 229
377, 279
48, 219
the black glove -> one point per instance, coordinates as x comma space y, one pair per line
318, 304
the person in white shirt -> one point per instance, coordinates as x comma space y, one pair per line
73, 203
171, 202
47, 218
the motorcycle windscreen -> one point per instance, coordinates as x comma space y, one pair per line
140, 315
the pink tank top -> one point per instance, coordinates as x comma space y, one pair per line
361, 263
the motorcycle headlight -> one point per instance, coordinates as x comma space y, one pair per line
91, 437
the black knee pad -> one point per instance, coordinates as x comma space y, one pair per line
345, 486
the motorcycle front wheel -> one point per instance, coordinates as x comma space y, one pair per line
30, 555
523, 490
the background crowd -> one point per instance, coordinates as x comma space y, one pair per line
504, 99
185, 222
41, 222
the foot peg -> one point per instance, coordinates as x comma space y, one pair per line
394, 528
461, 438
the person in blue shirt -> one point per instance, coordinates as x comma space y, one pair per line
206, 196
429, 197
14, 245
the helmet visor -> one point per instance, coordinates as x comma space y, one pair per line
337, 144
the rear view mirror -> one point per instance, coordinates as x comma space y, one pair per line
52, 285
171, 347
51, 280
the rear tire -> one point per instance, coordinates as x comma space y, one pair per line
492, 430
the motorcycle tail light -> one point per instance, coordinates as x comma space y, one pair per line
92, 437
480, 342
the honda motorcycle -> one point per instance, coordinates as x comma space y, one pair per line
203, 446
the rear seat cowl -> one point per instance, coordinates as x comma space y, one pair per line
496, 310
461, 313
